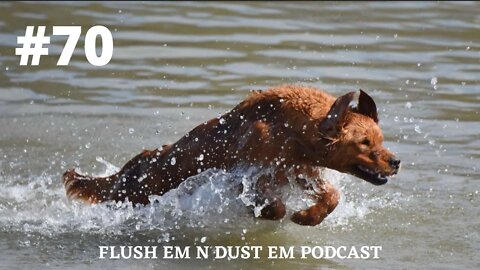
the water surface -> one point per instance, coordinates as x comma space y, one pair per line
176, 65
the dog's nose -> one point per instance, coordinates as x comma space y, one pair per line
394, 162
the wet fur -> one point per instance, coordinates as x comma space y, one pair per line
287, 128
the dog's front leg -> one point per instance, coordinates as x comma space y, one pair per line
267, 193
327, 200
274, 210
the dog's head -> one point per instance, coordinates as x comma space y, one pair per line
355, 142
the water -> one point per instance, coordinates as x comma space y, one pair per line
176, 65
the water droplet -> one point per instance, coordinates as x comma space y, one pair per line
408, 105
131, 130
222, 121
200, 158
286, 124
417, 129
88, 145
203, 239
434, 82
173, 161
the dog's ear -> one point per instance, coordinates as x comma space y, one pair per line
336, 115
366, 106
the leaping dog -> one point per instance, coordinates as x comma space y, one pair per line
291, 129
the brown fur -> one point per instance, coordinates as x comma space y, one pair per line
287, 128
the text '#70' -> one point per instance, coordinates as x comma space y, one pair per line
33, 44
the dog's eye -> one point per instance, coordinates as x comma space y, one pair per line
366, 142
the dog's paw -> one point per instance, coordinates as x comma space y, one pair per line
306, 218
300, 217
274, 211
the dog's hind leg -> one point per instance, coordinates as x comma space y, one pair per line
327, 200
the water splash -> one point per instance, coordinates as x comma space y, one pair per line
211, 201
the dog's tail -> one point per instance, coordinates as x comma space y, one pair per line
86, 188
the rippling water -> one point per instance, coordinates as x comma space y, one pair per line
178, 64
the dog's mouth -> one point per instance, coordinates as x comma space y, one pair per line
370, 175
